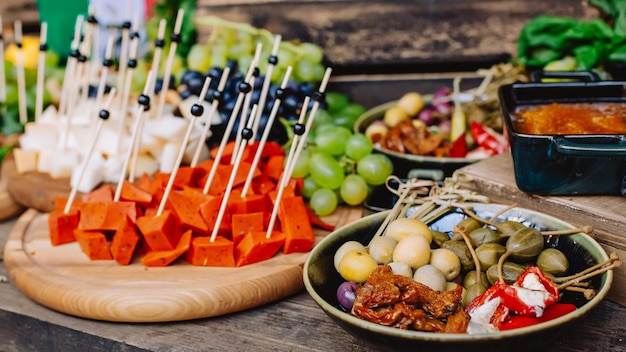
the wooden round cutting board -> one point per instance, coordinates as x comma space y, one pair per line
62, 278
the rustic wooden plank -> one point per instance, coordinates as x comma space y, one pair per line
399, 36
494, 178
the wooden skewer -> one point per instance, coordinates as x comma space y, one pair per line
266, 133
143, 106
233, 174
21, 81
229, 127
196, 111
103, 115
244, 117
126, 25
271, 62
214, 106
70, 68
290, 159
158, 49
130, 70
3, 80
175, 39
246, 103
309, 123
107, 63
41, 64
85, 49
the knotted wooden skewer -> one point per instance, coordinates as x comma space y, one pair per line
107, 63
123, 58
196, 111
272, 60
175, 39
298, 132
247, 134
103, 116
159, 43
21, 81
70, 71
270, 121
244, 115
143, 105
217, 98
246, 102
41, 65
244, 88
130, 70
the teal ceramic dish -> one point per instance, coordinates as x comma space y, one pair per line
321, 281
565, 164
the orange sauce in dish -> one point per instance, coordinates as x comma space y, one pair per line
571, 118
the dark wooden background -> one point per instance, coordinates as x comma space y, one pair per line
380, 36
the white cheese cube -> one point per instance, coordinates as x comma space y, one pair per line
44, 162
62, 163
93, 174
168, 157
25, 160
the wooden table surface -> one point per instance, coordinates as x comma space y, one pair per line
295, 323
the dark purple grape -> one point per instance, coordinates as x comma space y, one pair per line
189, 75
345, 295
184, 94
158, 84
195, 85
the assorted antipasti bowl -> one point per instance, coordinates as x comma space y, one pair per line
322, 280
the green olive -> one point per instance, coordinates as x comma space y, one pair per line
466, 226
553, 261
470, 279
509, 227
460, 249
489, 253
484, 235
439, 237
525, 244
472, 292
510, 272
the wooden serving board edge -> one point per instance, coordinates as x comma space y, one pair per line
150, 300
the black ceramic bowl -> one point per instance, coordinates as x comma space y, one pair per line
321, 281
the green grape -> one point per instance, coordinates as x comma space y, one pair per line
311, 52
375, 168
244, 62
285, 57
326, 170
343, 120
353, 190
218, 56
240, 49
353, 109
358, 146
309, 186
323, 201
301, 167
197, 58
303, 71
332, 140
318, 72
336, 102
322, 117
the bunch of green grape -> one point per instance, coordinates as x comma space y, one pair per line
238, 41
339, 166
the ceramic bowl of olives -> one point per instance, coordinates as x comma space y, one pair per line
415, 133
329, 289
